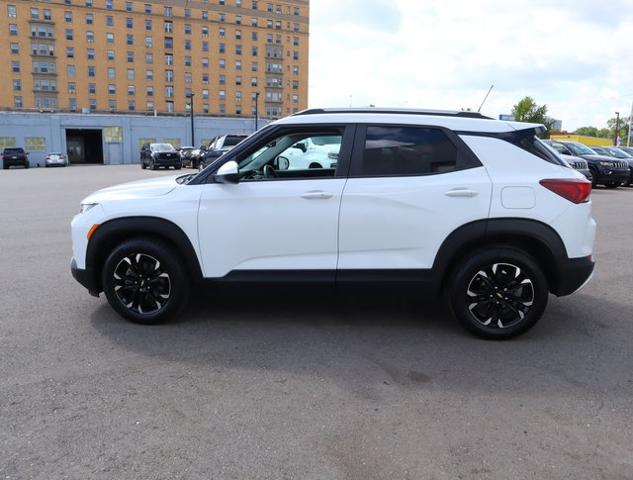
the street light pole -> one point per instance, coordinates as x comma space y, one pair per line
193, 139
617, 128
628, 141
256, 111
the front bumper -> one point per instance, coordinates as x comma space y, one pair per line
85, 278
572, 274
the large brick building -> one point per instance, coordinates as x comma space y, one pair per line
151, 56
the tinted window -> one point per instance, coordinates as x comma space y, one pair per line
407, 151
13, 150
232, 140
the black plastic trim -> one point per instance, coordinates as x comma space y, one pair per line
392, 111
85, 277
112, 233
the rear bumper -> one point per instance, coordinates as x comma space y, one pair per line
572, 275
85, 278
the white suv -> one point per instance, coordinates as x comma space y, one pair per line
431, 201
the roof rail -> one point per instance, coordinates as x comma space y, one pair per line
396, 111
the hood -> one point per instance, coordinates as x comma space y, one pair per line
154, 187
602, 158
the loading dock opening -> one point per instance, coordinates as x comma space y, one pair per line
84, 146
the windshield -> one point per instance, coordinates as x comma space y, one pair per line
580, 149
13, 150
162, 147
617, 153
232, 140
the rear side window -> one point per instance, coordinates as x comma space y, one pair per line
528, 141
393, 151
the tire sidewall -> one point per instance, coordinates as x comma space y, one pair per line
170, 263
466, 271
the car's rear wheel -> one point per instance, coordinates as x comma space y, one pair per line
498, 292
143, 166
144, 281
613, 185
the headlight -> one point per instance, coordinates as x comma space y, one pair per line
86, 207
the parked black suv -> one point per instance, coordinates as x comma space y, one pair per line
12, 157
577, 163
219, 147
155, 155
608, 171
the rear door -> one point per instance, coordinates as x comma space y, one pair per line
409, 188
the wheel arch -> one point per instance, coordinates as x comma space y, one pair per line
536, 238
114, 232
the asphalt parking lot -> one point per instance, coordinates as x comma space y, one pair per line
311, 389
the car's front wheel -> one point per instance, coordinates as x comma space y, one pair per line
498, 292
613, 185
144, 281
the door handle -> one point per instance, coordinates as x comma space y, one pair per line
317, 195
461, 193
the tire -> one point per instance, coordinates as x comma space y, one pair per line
178, 167
594, 178
27, 166
143, 166
152, 166
148, 302
612, 185
5, 166
504, 314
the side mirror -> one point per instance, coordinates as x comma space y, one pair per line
301, 146
228, 173
281, 163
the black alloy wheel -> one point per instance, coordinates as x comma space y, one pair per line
144, 281
498, 292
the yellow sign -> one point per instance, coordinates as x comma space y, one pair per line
589, 141
174, 141
143, 141
7, 142
113, 134
35, 144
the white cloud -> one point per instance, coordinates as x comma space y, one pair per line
569, 54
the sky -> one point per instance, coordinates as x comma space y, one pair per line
573, 55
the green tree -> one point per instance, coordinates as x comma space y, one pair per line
528, 111
624, 128
588, 131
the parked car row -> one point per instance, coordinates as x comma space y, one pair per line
608, 166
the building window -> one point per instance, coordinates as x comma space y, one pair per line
91, 71
169, 43
92, 104
148, 25
15, 67
129, 39
169, 107
110, 37
149, 91
187, 44
12, 11
35, 13
90, 37
188, 77
70, 70
68, 17
128, 6
168, 27
92, 88
90, 19
148, 8
111, 73
131, 90
129, 23
187, 29
72, 104
110, 55
17, 102
188, 61
149, 75
13, 29
130, 74
168, 12
149, 42
149, 58
72, 88
110, 21
111, 89
90, 53
131, 105
149, 106
17, 85
130, 57
15, 48
108, 4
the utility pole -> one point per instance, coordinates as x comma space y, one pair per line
193, 139
617, 128
256, 111
628, 141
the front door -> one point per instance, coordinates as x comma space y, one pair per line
283, 214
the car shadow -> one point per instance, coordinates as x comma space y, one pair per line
368, 344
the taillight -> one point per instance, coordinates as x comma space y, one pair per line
573, 189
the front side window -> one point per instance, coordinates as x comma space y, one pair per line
394, 151
294, 155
